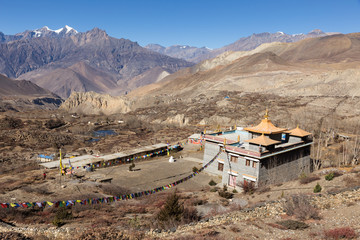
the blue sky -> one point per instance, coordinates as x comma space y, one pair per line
189, 22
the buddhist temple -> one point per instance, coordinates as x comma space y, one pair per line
262, 154
265, 127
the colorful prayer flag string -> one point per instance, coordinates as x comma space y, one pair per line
106, 199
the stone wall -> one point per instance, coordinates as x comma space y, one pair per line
237, 169
285, 167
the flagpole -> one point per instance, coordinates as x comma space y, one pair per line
61, 167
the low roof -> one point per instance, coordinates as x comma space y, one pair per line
263, 141
195, 135
266, 127
298, 132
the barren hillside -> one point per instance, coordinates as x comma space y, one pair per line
309, 67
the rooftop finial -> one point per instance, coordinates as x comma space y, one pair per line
266, 114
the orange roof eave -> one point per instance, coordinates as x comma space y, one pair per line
263, 141
298, 132
265, 127
265, 132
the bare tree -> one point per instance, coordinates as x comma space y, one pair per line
316, 152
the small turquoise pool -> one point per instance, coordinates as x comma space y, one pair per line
103, 133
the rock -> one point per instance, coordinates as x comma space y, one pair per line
95, 103
179, 119
157, 230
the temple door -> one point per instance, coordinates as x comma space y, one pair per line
232, 180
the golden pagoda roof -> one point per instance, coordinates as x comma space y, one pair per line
266, 127
263, 141
298, 132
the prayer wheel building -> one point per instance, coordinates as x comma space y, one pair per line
262, 154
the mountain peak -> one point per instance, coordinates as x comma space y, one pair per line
97, 32
46, 31
66, 29
316, 31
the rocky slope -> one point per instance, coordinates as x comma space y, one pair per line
303, 82
35, 55
94, 103
21, 95
318, 66
188, 53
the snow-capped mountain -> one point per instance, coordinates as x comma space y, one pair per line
40, 32
47, 32
67, 30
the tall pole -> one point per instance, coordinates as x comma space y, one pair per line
61, 167
61, 170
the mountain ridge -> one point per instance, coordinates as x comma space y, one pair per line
35, 58
17, 95
196, 55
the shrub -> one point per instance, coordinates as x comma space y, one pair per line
51, 124
225, 194
62, 214
212, 183
351, 181
299, 206
317, 188
195, 169
293, 225
197, 202
13, 235
248, 187
309, 179
302, 175
213, 190
10, 122
190, 215
234, 191
172, 209
329, 176
337, 173
340, 233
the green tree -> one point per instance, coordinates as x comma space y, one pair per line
317, 188
172, 210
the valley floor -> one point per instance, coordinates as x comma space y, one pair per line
255, 216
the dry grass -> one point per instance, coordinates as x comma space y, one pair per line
300, 207
352, 181
113, 190
293, 225
110, 234
308, 179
